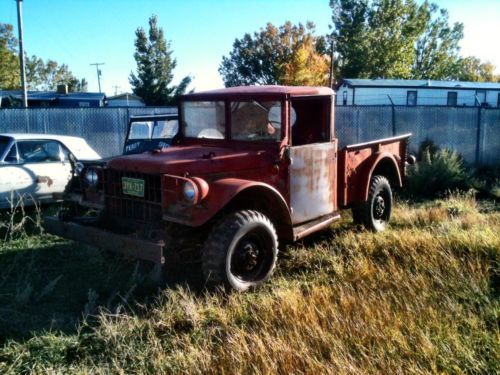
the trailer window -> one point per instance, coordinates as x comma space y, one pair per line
452, 98
411, 98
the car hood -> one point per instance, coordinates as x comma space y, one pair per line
193, 160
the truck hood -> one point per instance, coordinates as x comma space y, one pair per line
195, 160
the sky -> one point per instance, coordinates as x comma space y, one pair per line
81, 32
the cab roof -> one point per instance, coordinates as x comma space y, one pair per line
271, 90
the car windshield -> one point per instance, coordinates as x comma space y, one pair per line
4, 142
158, 129
250, 120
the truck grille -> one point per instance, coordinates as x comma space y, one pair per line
147, 208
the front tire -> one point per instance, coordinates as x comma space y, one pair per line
375, 213
240, 252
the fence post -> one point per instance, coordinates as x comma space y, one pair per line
393, 114
478, 137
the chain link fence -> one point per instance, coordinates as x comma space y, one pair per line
103, 128
473, 132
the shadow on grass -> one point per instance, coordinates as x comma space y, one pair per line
47, 283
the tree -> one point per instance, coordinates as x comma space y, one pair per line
287, 54
9, 61
437, 50
473, 69
155, 66
394, 39
40, 75
47, 75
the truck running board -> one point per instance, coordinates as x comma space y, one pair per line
106, 240
303, 230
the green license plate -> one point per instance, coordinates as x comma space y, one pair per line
133, 186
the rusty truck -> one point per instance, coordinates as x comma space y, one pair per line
249, 168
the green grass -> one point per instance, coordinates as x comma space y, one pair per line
421, 297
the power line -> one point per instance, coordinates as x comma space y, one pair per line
98, 74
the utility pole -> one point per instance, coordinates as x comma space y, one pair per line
98, 74
21, 52
116, 89
331, 64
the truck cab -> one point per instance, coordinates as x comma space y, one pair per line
250, 167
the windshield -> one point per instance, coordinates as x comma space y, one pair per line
204, 119
159, 129
250, 120
4, 142
255, 121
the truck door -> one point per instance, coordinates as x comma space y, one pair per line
313, 164
312, 181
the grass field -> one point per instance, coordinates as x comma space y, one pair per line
421, 297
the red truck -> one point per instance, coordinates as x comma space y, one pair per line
250, 167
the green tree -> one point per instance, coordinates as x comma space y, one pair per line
288, 54
155, 66
9, 61
47, 75
473, 69
437, 49
394, 39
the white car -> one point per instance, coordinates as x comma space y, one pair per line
38, 167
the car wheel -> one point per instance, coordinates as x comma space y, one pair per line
240, 252
376, 211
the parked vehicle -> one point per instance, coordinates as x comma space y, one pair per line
251, 166
149, 132
144, 133
38, 167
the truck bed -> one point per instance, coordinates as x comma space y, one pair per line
359, 162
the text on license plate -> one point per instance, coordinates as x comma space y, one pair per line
133, 186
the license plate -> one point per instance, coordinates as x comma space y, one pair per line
133, 186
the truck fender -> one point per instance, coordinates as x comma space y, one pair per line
236, 194
383, 163
233, 194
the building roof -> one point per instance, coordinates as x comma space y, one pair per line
53, 95
125, 96
266, 90
357, 82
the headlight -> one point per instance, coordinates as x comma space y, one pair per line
189, 191
91, 177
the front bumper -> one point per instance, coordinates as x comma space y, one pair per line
106, 240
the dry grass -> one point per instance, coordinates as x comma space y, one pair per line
421, 297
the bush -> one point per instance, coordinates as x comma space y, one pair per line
438, 171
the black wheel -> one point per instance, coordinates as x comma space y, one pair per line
375, 213
240, 252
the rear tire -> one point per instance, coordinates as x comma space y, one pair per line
375, 213
240, 252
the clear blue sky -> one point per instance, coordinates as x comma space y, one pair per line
80, 32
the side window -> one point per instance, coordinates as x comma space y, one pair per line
312, 121
411, 98
64, 153
44, 151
